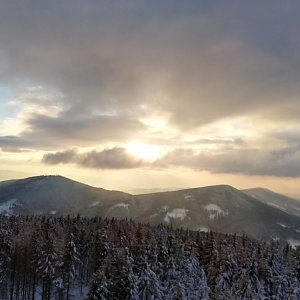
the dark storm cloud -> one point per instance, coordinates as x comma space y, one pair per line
196, 60
114, 158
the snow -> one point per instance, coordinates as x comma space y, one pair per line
94, 204
177, 213
294, 243
283, 225
74, 293
53, 212
122, 205
215, 211
189, 197
203, 229
276, 205
164, 208
7, 207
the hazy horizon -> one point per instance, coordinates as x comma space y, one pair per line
144, 190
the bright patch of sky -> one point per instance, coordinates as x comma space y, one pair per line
6, 110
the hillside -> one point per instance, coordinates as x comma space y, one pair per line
219, 208
287, 204
54, 195
260, 214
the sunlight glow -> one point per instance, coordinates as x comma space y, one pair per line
144, 151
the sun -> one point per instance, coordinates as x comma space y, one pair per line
144, 151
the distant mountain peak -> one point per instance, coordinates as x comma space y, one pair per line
226, 187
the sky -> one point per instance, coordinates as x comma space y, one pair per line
151, 94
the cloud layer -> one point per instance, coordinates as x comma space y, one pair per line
198, 62
99, 74
283, 162
114, 158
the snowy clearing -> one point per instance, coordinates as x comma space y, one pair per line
189, 197
203, 229
94, 204
283, 225
294, 243
164, 208
122, 205
177, 213
74, 294
215, 211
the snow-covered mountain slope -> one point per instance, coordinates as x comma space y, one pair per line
50, 195
219, 208
287, 204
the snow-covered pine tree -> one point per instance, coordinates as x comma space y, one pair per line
5, 259
99, 286
149, 285
71, 262
47, 264
193, 279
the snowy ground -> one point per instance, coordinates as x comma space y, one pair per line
164, 208
276, 205
177, 213
94, 204
215, 211
75, 294
122, 205
189, 197
283, 225
294, 243
203, 229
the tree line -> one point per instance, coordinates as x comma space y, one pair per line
92, 258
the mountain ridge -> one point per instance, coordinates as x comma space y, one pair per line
221, 208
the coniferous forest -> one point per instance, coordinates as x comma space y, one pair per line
82, 258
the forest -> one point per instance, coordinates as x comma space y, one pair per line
93, 258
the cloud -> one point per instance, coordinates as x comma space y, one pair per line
14, 144
283, 162
93, 70
44, 132
113, 158
64, 157
43, 121
192, 61
82, 130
